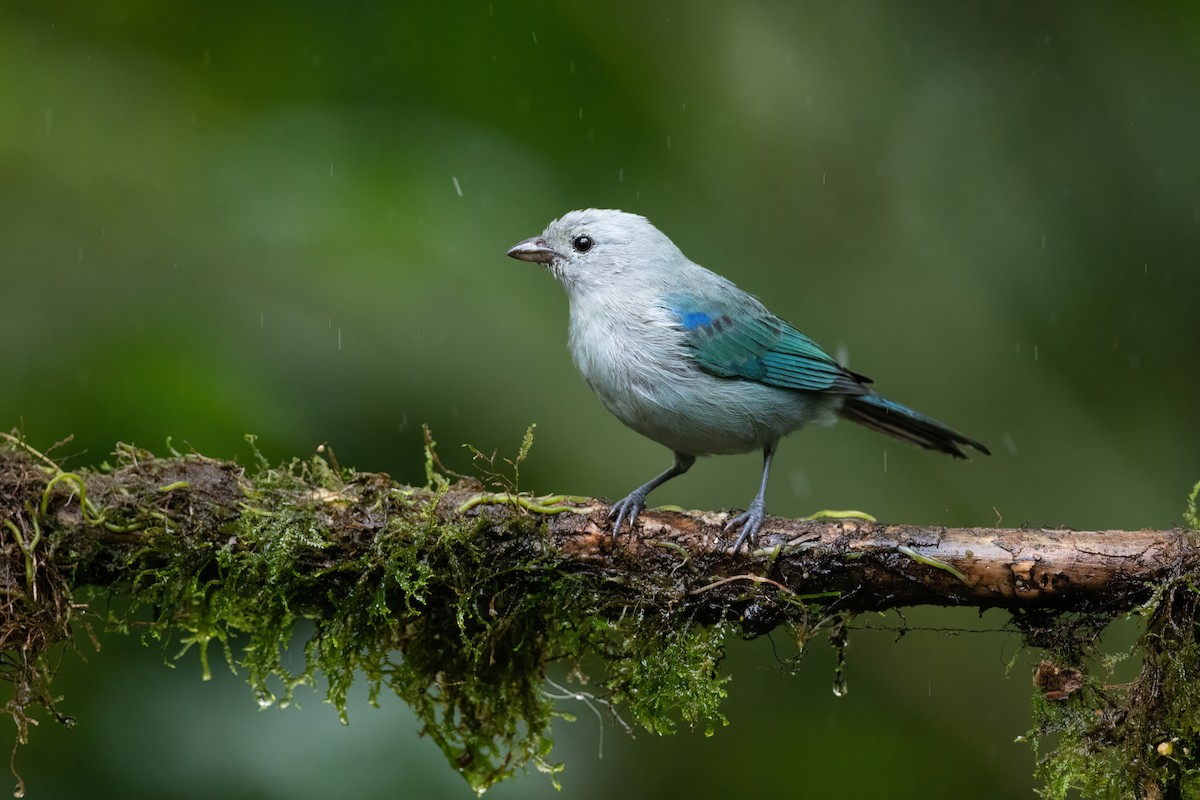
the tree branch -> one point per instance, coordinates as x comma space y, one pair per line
457, 598
867, 566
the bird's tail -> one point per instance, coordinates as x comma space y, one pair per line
886, 416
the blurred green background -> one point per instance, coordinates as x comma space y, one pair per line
291, 220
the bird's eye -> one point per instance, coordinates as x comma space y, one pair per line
582, 243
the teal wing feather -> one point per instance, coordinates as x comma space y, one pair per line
732, 335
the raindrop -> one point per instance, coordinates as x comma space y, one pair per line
621, 175
262, 320
1010, 443
339, 340
534, 36
1035, 352
457, 188
668, 142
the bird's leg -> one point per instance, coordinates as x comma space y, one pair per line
752, 518
629, 508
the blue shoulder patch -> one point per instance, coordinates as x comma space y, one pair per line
692, 320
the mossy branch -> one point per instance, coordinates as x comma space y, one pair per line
457, 598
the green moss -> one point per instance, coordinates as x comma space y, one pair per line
1105, 740
1191, 514
664, 677
1137, 739
458, 619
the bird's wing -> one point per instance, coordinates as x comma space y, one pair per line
732, 335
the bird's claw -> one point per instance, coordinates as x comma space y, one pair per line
624, 510
750, 521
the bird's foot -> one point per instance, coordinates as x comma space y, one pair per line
750, 521
626, 510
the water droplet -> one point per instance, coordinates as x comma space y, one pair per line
837, 638
457, 187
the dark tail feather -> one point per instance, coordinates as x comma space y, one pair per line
883, 415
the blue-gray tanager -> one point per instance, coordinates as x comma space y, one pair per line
686, 358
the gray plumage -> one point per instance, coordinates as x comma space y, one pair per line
687, 359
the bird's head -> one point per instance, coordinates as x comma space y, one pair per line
600, 248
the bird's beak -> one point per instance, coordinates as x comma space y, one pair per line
534, 250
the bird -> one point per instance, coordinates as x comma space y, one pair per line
687, 359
